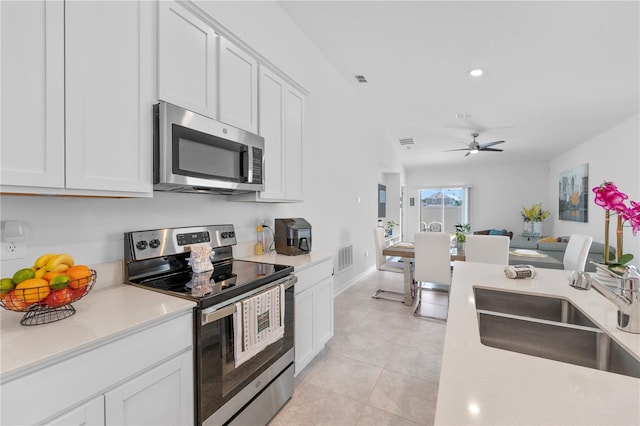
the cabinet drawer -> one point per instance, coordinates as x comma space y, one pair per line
312, 275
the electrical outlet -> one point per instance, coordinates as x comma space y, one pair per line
13, 250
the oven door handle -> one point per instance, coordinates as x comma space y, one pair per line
215, 313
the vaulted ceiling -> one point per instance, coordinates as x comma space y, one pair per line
556, 73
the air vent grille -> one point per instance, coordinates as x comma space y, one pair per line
361, 78
407, 141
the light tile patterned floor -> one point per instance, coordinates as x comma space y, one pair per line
381, 367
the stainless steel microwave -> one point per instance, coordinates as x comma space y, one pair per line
194, 153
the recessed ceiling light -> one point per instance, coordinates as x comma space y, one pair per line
476, 72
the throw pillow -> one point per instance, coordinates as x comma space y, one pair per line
549, 240
497, 232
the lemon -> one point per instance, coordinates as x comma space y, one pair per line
23, 274
59, 282
6, 285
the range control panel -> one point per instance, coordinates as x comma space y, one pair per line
169, 241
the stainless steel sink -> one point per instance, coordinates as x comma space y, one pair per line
533, 326
532, 306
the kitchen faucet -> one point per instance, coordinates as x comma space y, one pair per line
626, 297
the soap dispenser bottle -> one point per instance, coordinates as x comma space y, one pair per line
259, 247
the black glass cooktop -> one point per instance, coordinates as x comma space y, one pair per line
226, 281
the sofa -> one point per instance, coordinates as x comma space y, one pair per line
495, 232
556, 249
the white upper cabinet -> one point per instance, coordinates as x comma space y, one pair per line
32, 93
109, 95
271, 128
238, 87
77, 92
187, 60
281, 115
293, 124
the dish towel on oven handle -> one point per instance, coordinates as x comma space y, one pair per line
258, 322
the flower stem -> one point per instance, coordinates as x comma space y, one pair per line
607, 214
619, 237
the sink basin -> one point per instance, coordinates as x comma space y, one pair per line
573, 344
527, 305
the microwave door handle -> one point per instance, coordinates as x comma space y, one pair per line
244, 164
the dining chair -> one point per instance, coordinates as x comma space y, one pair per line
432, 266
434, 227
487, 249
383, 264
575, 255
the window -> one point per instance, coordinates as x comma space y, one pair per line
448, 206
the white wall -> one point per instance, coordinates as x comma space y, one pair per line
496, 195
343, 150
612, 156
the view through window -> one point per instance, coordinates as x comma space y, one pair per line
446, 206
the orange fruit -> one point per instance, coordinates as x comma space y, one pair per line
50, 274
13, 303
32, 290
80, 276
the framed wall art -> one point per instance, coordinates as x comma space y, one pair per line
573, 190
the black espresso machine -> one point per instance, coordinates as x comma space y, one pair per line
292, 236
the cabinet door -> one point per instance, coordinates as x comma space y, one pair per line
238, 87
304, 330
109, 95
324, 311
161, 396
271, 103
293, 120
32, 93
89, 414
187, 60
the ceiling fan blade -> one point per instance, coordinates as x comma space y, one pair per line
491, 149
461, 149
486, 145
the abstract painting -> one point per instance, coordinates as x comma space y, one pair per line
573, 190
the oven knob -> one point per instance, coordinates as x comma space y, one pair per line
224, 235
141, 245
154, 243
232, 234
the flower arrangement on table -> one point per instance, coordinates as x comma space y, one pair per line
534, 213
389, 226
612, 200
533, 218
462, 229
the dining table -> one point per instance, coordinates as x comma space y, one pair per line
407, 252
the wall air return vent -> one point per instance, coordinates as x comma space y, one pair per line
361, 78
407, 142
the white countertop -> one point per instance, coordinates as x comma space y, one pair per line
485, 385
299, 262
102, 315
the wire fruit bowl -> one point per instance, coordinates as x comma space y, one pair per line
46, 308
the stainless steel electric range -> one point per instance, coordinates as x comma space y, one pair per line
225, 393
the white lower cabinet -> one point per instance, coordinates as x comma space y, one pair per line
313, 312
145, 377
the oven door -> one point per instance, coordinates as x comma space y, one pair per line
222, 389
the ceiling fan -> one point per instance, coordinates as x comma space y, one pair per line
474, 146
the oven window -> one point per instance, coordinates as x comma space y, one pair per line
206, 156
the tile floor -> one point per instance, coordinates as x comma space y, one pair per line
381, 367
